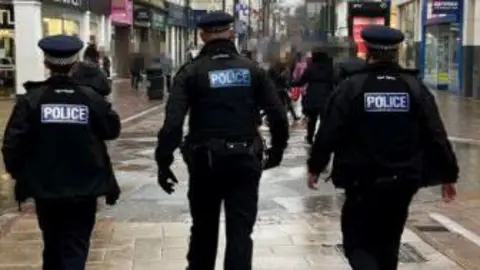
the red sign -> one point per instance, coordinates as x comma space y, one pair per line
358, 24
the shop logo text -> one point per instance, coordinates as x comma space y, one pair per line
76, 3
6, 17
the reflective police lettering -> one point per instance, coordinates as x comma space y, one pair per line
386, 102
236, 77
65, 114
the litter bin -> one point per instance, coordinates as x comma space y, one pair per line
155, 83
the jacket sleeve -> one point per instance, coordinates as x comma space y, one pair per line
276, 114
170, 135
15, 139
101, 84
331, 128
105, 121
436, 139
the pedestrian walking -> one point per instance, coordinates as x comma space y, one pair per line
388, 140
280, 76
223, 92
54, 149
88, 72
319, 77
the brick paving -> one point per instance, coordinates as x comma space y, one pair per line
294, 245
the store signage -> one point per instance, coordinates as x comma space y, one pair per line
121, 12
158, 21
447, 7
77, 4
156, 3
142, 17
176, 14
102, 7
7, 20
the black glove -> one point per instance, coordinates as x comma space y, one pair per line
273, 159
167, 180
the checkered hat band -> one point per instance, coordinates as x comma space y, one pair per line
382, 47
217, 29
61, 61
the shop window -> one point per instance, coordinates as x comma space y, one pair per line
7, 63
441, 56
57, 26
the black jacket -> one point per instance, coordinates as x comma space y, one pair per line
54, 141
319, 77
88, 73
281, 81
220, 107
371, 138
348, 68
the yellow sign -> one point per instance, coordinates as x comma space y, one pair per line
156, 3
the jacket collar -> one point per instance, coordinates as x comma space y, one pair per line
219, 46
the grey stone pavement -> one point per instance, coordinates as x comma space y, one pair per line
296, 228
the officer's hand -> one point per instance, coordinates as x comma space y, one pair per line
167, 180
273, 159
449, 192
313, 181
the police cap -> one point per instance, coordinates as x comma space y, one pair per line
380, 37
215, 21
61, 50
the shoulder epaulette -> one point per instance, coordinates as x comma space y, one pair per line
29, 85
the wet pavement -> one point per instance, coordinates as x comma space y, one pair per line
296, 228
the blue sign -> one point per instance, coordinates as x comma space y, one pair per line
446, 7
177, 15
386, 102
198, 14
236, 77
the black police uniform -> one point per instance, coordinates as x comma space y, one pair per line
54, 148
222, 91
382, 124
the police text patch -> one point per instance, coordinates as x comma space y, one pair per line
64, 114
386, 102
236, 77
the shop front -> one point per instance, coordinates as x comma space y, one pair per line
158, 32
121, 17
177, 24
7, 51
142, 21
441, 48
65, 17
99, 29
407, 21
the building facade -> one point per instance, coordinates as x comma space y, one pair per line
87, 19
120, 31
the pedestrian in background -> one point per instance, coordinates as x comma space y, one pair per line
136, 68
280, 75
223, 92
388, 140
54, 149
88, 72
319, 77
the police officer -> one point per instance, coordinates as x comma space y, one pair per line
222, 91
54, 148
384, 128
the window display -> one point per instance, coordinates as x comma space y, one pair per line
57, 26
441, 56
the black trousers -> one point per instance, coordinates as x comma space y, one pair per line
313, 116
234, 181
287, 101
373, 220
135, 79
66, 227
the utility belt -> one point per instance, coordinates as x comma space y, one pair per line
220, 149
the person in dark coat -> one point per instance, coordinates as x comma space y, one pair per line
88, 72
349, 66
319, 77
136, 67
280, 75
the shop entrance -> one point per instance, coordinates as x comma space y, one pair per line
442, 57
